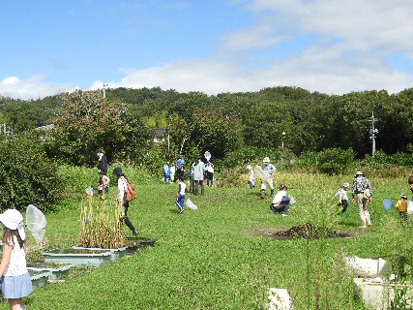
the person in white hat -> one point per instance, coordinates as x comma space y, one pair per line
343, 198
15, 279
269, 169
362, 191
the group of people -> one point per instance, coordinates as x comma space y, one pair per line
361, 191
122, 181
197, 175
361, 194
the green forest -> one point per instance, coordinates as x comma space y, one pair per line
222, 124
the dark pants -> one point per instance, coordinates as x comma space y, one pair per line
344, 204
178, 174
201, 182
280, 208
125, 217
210, 177
191, 185
403, 216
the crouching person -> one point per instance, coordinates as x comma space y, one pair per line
281, 201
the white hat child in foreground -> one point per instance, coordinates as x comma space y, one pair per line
15, 279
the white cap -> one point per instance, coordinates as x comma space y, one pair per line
13, 220
266, 160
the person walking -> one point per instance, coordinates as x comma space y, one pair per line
180, 195
122, 186
199, 170
362, 192
102, 162
15, 279
268, 169
343, 198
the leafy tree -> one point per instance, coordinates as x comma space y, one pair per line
87, 121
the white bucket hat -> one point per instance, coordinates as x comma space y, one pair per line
13, 220
266, 160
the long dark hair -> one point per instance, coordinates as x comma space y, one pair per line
8, 237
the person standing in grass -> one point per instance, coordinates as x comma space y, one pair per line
179, 171
15, 279
199, 170
180, 195
210, 173
363, 192
122, 186
269, 169
343, 198
401, 206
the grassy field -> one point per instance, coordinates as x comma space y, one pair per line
220, 256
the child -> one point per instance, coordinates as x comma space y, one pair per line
15, 279
251, 177
180, 195
401, 205
281, 202
103, 186
343, 198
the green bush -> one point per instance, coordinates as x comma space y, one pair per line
335, 160
247, 155
27, 176
402, 159
307, 158
379, 160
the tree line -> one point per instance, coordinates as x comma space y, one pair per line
123, 123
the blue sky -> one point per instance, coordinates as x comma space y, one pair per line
212, 46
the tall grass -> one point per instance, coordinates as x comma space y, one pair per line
101, 224
220, 257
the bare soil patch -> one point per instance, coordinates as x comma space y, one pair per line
309, 231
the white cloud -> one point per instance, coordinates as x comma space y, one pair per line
350, 42
31, 88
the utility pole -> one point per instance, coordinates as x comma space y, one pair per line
373, 132
104, 89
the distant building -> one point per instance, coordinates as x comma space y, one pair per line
43, 131
160, 136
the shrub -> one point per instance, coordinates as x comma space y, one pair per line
27, 175
308, 158
402, 159
247, 155
379, 160
335, 160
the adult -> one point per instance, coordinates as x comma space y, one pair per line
122, 186
268, 169
199, 170
179, 168
410, 181
281, 201
102, 162
210, 173
362, 191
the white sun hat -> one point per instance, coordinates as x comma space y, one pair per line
13, 220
